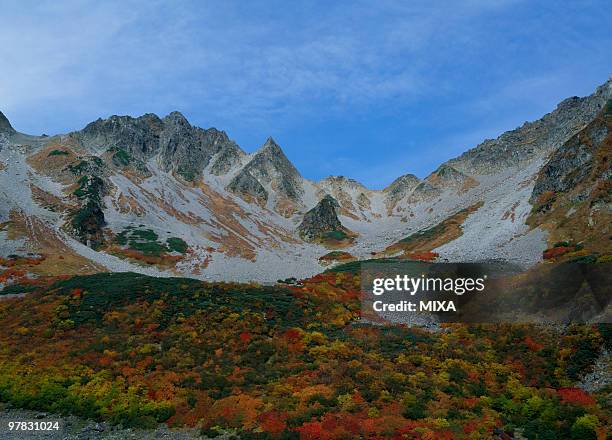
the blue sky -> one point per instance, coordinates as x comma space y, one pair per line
369, 90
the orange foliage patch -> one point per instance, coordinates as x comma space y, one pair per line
60, 258
22, 261
48, 200
575, 396
273, 423
238, 411
18, 268
163, 260
424, 242
12, 274
421, 256
336, 256
551, 254
533, 345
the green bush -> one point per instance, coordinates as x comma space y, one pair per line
144, 234
106, 291
90, 187
148, 248
121, 157
584, 259
17, 289
561, 244
335, 235
121, 238
584, 427
147, 242
59, 153
177, 245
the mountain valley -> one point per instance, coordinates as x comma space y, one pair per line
161, 197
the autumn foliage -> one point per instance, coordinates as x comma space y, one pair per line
275, 362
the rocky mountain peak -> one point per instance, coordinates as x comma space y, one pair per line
5, 125
447, 176
271, 145
187, 150
400, 188
405, 183
328, 202
176, 118
447, 170
342, 181
272, 153
424, 191
138, 136
179, 146
271, 168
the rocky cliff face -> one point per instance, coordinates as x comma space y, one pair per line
187, 150
572, 195
178, 146
226, 158
573, 162
5, 125
534, 139
138, 136
245, 185
320, 220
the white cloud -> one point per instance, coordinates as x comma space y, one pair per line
112, 56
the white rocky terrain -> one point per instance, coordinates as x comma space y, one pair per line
162, 197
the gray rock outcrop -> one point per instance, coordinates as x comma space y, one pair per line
138, 136
400, 188
225, 159
575, 161
187, 150
247, 186
424, 191
448, 177
320, 220
5, 125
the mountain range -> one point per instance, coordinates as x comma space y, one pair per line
162, 197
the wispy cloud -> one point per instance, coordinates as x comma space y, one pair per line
96, 54
268, 67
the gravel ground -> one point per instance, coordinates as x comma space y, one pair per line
74, 428
601, 376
